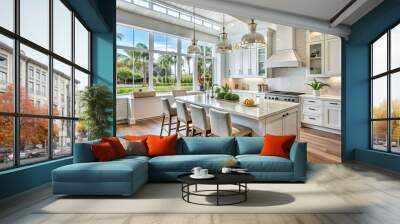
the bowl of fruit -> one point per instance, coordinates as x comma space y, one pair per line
248, 102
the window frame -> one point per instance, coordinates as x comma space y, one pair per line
16, 115
388, 74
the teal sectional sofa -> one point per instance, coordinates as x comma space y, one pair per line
125, 176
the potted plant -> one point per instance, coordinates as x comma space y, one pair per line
317, 86
97, 102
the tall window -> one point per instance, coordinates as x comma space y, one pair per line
385, 91
139, 52
38, 118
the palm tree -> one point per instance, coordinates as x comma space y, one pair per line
165, 61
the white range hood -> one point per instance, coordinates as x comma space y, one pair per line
285, 55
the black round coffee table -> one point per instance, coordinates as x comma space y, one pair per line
238, 179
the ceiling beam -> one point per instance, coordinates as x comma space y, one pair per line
268, 15
346, 12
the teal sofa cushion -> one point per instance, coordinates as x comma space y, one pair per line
257, 163
249, 145
185, 163
209, 145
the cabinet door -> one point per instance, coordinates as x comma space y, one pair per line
253, 62
261, 57
290, 123
315, 59
246, 61
227, 65
332, 117
333, 57
238, 62
274, 125
232, 64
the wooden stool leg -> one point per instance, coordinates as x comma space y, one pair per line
162, 124
177, 126
169, 125
187, 129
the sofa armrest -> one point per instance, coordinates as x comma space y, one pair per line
83, 152
298, 155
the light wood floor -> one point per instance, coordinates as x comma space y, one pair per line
323, 147
377, 190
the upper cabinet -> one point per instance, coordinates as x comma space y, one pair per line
242, 63
323, 55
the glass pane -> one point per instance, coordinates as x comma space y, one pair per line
379, 98
184, 45
173, 13
124, 36
198, 21
62, 29
34, 96
81, 131
142, 3
395, 47
216, 27
395, 136
124, 67
6, 75
6, 142
206, 24
395, 95
62, 138
160, 41
187, 73
81, 45
379, 56
81, 82
7, 14
159, 8
141, 39
35, 21
315, 59
172, 44
379, 135
33, 139
164, 72
62, 89
186, 17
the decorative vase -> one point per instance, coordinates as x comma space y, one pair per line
316, 93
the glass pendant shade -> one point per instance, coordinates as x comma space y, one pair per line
223, 46
193, 48
252, 39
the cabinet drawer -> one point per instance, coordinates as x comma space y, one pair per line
311, 109
332, 103
314, 102
312, 119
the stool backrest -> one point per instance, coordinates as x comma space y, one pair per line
182, 111
167, 110
199, 117
221, 124
179, 92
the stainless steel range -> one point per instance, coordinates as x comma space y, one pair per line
281, 96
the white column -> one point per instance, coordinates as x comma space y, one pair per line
151, 59
179, 65
195, 73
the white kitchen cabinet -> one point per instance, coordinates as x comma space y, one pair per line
314, 36
285, 123
238, 63
242, 63
322, 113
246, 53
323, 55
333, 51
253, 62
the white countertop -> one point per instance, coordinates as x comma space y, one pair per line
323, 97
264, 109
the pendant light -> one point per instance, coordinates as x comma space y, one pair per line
252, 39
193, 48
223, 46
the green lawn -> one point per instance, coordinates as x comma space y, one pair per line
159, 88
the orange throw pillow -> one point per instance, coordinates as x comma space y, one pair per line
161, 145
277, 145
103, 152
116, 145
136, 137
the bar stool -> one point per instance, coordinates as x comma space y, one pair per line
200, 120
221, 125
168, 112
183, 115
179, 92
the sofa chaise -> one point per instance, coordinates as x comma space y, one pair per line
125, 176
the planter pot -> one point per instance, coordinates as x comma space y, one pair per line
316, 93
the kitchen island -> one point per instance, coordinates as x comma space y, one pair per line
269, 116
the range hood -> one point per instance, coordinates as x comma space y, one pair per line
285, 55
